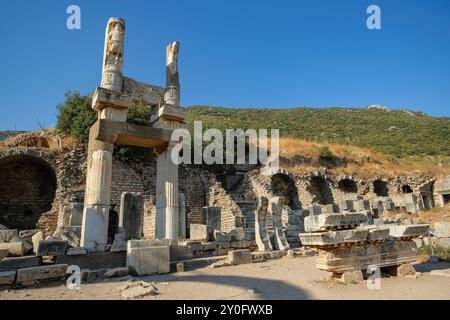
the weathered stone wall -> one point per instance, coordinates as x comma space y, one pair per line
441, 192
27, 189
124, 179
200, 187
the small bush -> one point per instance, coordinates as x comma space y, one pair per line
76, 116
439, 251
326, 153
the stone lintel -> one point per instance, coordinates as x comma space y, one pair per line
170, 112
131, 134
105, 98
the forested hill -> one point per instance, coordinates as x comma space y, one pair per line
394, 132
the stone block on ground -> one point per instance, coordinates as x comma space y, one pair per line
7, 234
180, 252
442, 229
19, 263
53, 271
27, 246
95, 260
71, 234
350, 277
52, 247
199, 232
143, 261
38, 236
15, 249
331, 221
240, 256
334, 238
76, 251
193, 264
408, 231
116, 272
406, 270
7, 277
444, 242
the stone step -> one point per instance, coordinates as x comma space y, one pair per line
193, 264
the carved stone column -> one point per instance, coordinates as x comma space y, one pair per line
111, 104
168, 116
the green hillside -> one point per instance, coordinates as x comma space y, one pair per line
399, 133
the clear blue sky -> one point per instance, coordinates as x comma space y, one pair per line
251, 53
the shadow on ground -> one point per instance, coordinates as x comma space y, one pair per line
427, 267
264, 288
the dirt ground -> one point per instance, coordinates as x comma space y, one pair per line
286, 278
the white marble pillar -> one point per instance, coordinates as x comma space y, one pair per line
169, 116
94, 234
166, 197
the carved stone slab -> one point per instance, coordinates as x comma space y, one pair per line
332, 221
389, 253
408, 231
331, 238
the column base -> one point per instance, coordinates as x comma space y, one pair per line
94, 233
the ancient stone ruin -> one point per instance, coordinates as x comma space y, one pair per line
62, 207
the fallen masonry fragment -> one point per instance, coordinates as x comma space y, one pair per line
358, 247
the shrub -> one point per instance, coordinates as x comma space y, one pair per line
76, 116
439, 251
326, 153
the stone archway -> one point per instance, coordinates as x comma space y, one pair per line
320, 190
380, 188
348, 186
283, 186
27, 190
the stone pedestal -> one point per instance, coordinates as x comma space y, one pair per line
94, 234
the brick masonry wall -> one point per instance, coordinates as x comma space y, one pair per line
27, 189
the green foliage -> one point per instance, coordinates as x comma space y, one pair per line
397, 133
139, 114
326, 153
76, 116
439, 251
